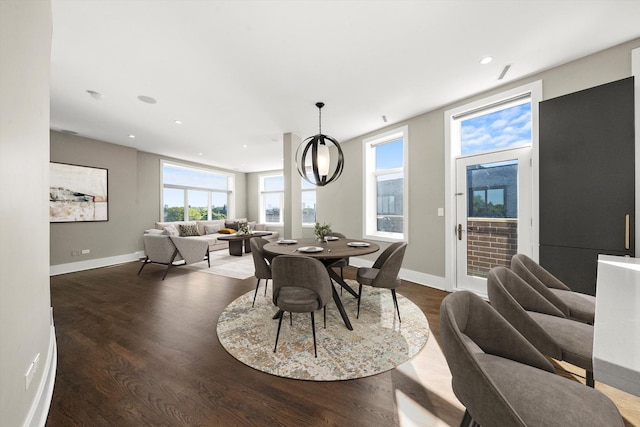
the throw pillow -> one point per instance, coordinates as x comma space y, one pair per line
153, 231
187, 230
227, 231
233, 225
171, 230
212, 229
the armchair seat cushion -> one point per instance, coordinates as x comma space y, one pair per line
576, 338
582, 307
533, 394
367, 275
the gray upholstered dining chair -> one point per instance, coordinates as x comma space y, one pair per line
168, 250
542, 323
574, 305
300, 285
503, 380
383, 273
261, 264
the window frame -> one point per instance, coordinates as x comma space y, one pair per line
262, 202
370, 180
185, 188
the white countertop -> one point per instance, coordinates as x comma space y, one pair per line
616, 346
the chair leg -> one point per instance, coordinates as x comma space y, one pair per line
467, 421
359, 295
278, 333
166, 271
325, 316
146, 260
589, 378
266, 285
290, 319
395, 303
313, 328
208, 258
255, 294
342, 277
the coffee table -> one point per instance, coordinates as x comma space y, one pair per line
237, 241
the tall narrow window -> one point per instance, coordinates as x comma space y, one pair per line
308, 203
386, 186
191, 194
272, 199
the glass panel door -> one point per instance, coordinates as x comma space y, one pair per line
493, 195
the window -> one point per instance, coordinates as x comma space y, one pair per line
386, 186
501, 126
493, 190
191, 194
308, 203
271, 199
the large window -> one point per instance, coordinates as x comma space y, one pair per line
386, 186
308, 203
272, 199
191, 194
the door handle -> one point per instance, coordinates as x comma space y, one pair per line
627, 231
460, 230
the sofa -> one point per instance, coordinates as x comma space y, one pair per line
208, 230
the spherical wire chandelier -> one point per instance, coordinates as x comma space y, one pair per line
313, 157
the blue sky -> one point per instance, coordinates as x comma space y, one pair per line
510, 127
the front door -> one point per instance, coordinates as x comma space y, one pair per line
493, 213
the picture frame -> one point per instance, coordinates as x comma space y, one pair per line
78, 193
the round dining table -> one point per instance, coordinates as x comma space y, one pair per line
328, 252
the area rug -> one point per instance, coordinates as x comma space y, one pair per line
377, 343
223, 264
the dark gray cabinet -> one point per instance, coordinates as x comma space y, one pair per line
587, 183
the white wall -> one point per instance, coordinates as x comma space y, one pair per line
25, 329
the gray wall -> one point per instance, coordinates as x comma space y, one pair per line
341, 203
134, 201
25, 327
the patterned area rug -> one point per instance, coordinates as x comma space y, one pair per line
223, 264
377, 343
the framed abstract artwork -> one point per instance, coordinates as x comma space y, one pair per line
77, 193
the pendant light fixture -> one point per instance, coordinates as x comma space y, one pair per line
314, 153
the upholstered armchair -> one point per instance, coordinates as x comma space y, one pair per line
169, 250
541, 322
574, 305
503, 380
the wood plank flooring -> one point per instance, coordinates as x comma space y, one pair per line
135, 350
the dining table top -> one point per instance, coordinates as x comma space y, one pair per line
340, 248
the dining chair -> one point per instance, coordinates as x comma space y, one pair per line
503, 380
541, 322
574, 305
300, 285
383, 273
261, 264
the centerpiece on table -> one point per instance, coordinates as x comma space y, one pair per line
322, 231
244, 229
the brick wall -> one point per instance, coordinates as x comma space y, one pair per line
490, 243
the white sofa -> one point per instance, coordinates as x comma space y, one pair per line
206, 230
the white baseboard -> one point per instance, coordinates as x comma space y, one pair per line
424, 279
55, 270
39, 411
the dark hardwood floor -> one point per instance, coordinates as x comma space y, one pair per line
136, 351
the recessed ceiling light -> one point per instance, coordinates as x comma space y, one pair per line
486, 60
244, 145
147, 99
200, 154
132, 136
94, 94
178, 122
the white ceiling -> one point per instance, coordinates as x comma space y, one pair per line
242, 73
